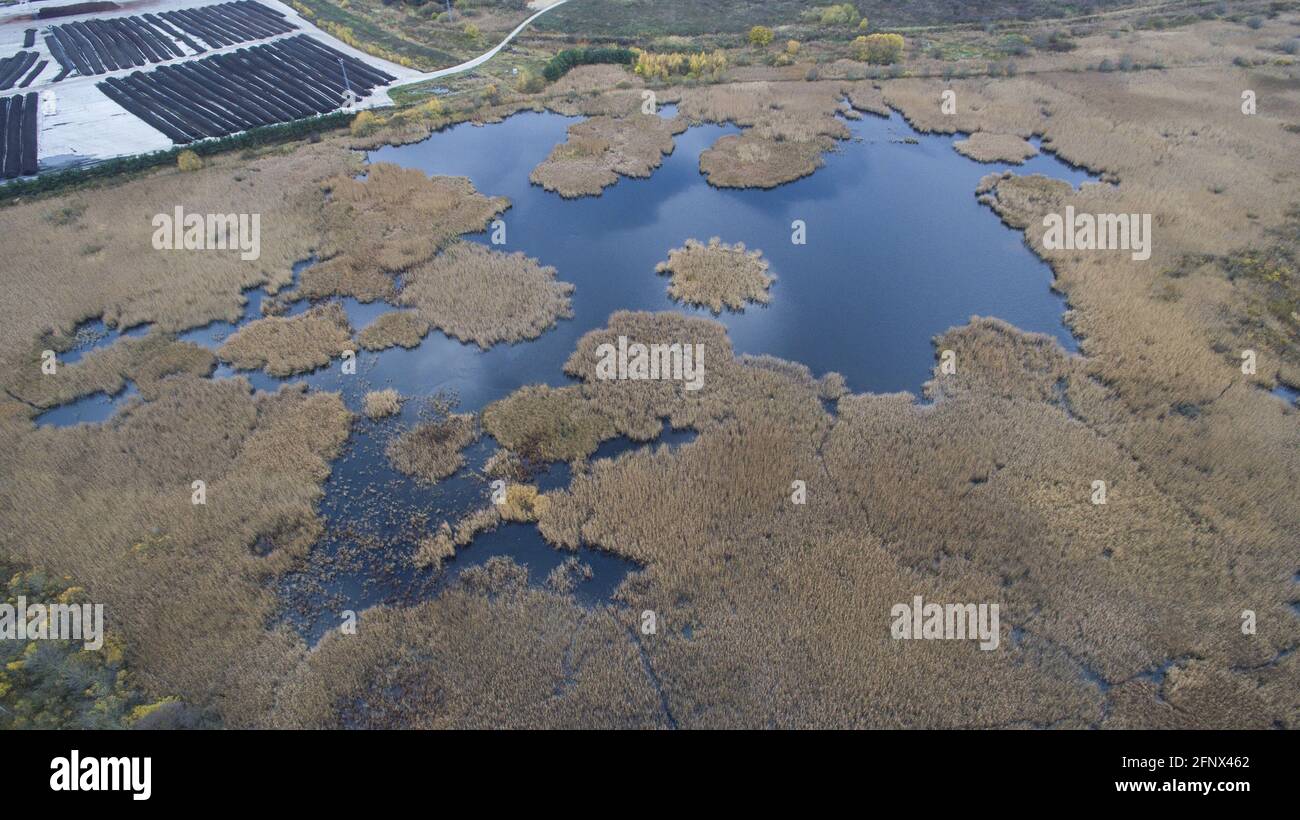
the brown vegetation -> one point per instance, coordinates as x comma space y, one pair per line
126, 282
296, 344
430, 451
717, 275
980, 496
435, 549
600, 149
400, 327
146, 361
110, 505
983, 146
788, 126
479, 295
382, 403
542, 423
388, 222
523, 503
488, 653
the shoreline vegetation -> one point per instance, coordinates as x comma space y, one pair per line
1125, 615
983, 146
717, 275
601, 149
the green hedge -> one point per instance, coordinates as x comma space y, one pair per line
572, 57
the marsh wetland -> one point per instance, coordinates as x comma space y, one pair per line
399, 409
899, 250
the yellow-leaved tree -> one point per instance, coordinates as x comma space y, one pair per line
879, 49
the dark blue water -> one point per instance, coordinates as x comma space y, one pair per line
898, 251
90, 335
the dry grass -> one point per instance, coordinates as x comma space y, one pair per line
146, 361
598, 91
126, 281
788, 126
507, 465
392, 220
717, 275
983, 146
399, 327
481, 520
490, 652
750, 161
165, 569
430, 451
541, 423
600, 149
483, 296
947, 502
285, 346
435, 549
524, 503
382, 403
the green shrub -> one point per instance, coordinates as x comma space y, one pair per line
569, 58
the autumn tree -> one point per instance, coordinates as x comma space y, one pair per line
761, 36
188, 161
879, 49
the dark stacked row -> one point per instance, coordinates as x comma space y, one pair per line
46, 12
18, 135
100, 46
223, 94
17, 67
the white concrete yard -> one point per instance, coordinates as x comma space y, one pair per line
88, 127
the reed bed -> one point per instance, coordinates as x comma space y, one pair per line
399, 327
788, 126
983, 146
284, 346
124, 280
544, 424
146, 361
600, 149
982, 495
163, 566
431, 450
484, 296
393, 220
382, 403
717, 275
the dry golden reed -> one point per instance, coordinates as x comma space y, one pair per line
600, 149
717, 275
296, 344
484, 296
382, 403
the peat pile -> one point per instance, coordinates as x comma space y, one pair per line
20, 69
100, 46
223, 94
18, 117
